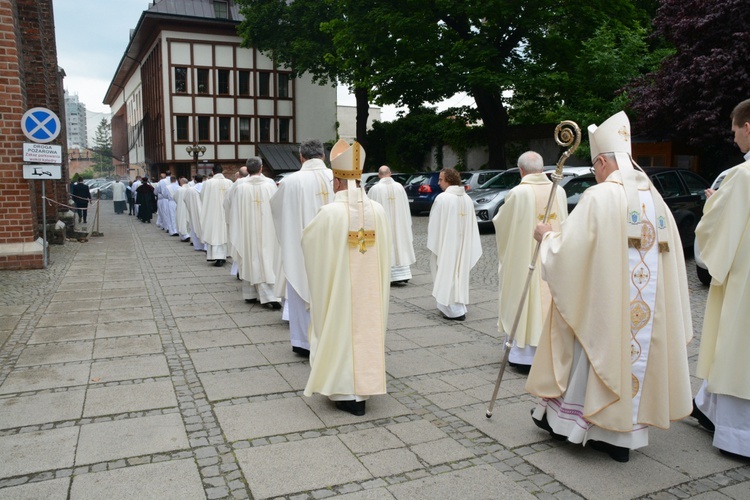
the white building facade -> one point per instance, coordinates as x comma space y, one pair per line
184, 81
75, 121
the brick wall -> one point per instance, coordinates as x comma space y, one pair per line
29, 78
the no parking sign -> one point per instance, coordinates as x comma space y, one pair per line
40, 125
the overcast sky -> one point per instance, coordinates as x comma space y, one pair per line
91, 38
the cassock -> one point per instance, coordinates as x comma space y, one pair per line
349, 291
193, 205
392, 196
253, 237
170, 218
453, 239
146, 202
612, 357
514, 223
181, 213
294, 205
118, 197
724, 244
213, 220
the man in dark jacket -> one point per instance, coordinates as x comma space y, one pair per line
81, 198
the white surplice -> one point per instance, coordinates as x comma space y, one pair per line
193, 205
294, 205
253, 237
214, 230
453, 239
171, 206
392, 196
181, 212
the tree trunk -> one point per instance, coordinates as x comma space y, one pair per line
495, 118
363, 113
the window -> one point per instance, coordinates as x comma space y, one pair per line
203, 87
221, 11
284, 129
244, 82
695, 184
668, 184
283, 85
224, 128
265, 129
204, 128
244, 129
180, 79
182, 128
223, 81
264, 84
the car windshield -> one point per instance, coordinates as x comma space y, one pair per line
503, 180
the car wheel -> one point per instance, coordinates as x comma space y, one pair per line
703, 275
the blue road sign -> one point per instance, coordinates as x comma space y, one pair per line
40, 125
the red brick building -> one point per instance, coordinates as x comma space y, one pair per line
29, 77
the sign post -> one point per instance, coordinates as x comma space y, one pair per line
41, 126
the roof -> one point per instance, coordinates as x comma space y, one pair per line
160, 12
280, 157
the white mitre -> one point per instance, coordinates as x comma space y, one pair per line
346, 163
613, 136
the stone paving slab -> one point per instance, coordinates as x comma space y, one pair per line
391, 462
226, 358
129, 398
57, 352
45, 377
127, 346
230, 385
509, 425
100, 442
371, 440
416, 362
205, 323
37, 451
178, 480
41, 408
378, 407
269, 418
54, 489
476, 482
62, 334
126, 328
127, 369
223, 338
299, 466
69, 318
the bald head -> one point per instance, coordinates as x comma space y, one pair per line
384, 171
243, 172
531, 162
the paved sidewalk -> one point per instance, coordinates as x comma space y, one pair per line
132, 368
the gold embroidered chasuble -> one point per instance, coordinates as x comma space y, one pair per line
587, 268
349, 278
724, 241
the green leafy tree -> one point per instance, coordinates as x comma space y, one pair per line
103, 148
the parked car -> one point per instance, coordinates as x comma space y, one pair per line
102, 190
423, 188
489, 197
700, 267
682, 190
400, 178
476, 178
281, 176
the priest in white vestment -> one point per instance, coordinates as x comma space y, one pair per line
161, 199
514, 224
612, 359
214, 231
453, 239
347, 252
392, 196
294, 205
193, 205
239, 177
118, 196
724, 242
136, 184
170, 218
181, 212
253, 237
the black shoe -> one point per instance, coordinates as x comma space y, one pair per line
457, 318
734, 456
219, 262
544, 425
272, 305
305, 353
356, 408
616, 453
251, 301
703, 420
525, 369
175, 234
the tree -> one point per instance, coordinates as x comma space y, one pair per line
103, 148
691, 95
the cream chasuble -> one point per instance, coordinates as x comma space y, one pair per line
193, 206
293, 207
523, 209
213, 219
392, 196
607, 318
349, 283
724, 242
453, 239
251, 231
181, 211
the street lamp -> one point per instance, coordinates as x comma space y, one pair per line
197, 152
